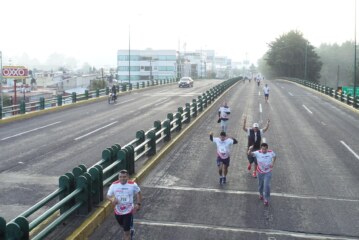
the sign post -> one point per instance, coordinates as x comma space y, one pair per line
14, 72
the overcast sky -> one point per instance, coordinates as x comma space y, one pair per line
92, 31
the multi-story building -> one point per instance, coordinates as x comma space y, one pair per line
143, 65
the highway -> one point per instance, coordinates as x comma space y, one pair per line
315, 192
35, 152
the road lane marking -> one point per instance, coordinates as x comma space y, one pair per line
290, 94
125, 101
259, 93
264, 140
260, 108
32, 130
323, 123
287, 195
78, 138
307, 109
350, 150
243, 230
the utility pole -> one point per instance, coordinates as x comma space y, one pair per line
129, 56
1, 84
355, 52
305, 60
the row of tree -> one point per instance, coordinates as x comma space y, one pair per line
291, 55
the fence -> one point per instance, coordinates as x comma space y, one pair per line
60, 100
82, 189
339, 95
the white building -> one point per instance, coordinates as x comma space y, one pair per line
143, 65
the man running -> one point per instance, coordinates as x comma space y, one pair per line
265, 159
266, 92
224, 145
121, 194
223, 116
254, 139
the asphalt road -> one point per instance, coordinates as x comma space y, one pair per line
315, 193
35, 152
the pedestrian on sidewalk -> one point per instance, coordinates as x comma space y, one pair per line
223, 116
224, 145
265, 159
254, 139
121, 194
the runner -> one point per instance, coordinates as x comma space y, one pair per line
223, 114
266, 92
121, 194
224, 145
254, 138
266, 159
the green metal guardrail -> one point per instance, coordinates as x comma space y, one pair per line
82, 189
61, 100
340, 96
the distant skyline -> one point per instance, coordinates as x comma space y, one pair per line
92, 31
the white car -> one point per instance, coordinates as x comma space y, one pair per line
185, 82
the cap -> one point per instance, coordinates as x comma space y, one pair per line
255, 125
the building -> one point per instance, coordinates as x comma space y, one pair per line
144, 65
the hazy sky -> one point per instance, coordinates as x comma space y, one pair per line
92, 31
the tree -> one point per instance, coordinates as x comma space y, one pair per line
291, 55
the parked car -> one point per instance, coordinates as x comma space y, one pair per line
185, 82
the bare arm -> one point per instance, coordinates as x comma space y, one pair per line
266, 127
244, 124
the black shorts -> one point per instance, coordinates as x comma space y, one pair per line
224, 161
252, 159
125, 221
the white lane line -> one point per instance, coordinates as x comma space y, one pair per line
243, 230
32, 130
287, 195
307, 109
260, 107
323, 123
259, 93
95, 131
130, 100
161, 102
291, 94
264, 140
350, 150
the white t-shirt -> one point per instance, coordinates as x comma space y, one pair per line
266, 90
124, 194
264, 160
224, 112
223, 147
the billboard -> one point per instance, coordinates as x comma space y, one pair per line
350, 90
16, 72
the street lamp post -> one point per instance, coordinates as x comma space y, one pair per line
1, 85
129, 56
305, 60
355, 51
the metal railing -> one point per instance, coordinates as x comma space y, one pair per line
60, 100
339, 95
82, 189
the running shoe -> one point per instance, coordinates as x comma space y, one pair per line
220, 180
132, 232
249, 166
224, 180
254, 174
266, 203
260, 197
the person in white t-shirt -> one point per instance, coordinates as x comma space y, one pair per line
266, 92
224, 145
265, 160
121, 194
223, 116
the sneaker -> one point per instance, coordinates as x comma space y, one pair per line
249, 166
220, 180
266, 203
260, 197
254, 174
224, 180
132, 232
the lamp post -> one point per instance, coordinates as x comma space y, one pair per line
129, 56
1, 85
355, 50
305, 60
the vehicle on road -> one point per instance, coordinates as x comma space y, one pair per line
112, 98
185, 82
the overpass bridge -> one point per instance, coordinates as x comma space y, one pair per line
314, 185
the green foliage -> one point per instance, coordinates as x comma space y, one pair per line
338, 64
291, 55
97, 84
